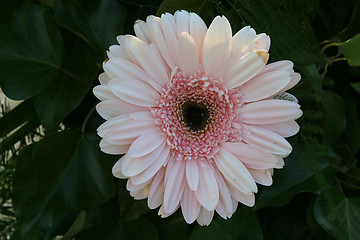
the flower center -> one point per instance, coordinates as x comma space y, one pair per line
197, 113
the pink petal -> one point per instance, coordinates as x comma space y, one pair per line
264, 86
217, 44
269, 111
251, 156
246, 199
225, 206
284, 129
284, 65
205, 217
261, 176
234, 171
262, 41
295, 79
116, 169
192, 174
207, 192
112, 122
169, 29
134, 92
174, 187
115, 107
156, 193
141, 30
135, 165
103, 93
187, 54
147, 142
246, 68
198, 31
116, 51
267, 140
113, 149
126, 132
104, 78
190, 207
153, 168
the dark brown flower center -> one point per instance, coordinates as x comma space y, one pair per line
195, 115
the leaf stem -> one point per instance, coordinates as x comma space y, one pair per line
76, 77
87, 119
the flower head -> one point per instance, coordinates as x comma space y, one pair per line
197, 112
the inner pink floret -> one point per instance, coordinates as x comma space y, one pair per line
215, 106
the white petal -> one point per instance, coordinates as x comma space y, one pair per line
116, 169
197, 31
113, 149
156, 193
164, 214
217, 44
103, 93
234, 171
285, 129
142, 31
133, 166
112, 122
265, 85
192, 174
284, 65
120, 68
182, 21
246, 199
261, 176
148, 59
103, 78
267, 140
169, 29
241, 39
251, 156
174, 187
205, 217
246, 68
190, 207
134, 92
147, 142
153, 168
126, 132
114, 107
269, 111
225, 205
295, 79
187, 54
116, 51
262, 42
207, 192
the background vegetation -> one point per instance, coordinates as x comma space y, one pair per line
56, 183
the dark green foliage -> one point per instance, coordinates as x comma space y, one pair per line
55, 181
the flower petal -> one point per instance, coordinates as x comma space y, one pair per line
264, 85
153, 168
267, 140
284, 129
116, 169
134, 92
126, 132
241, 39
135, 165
145, 57
190, 206
103, 93
182, 21
217, 44
251, 156
114, 107
156, 193
261, 176
234, 171
192, 174
246, 199
262, 41
187, 54
141, 30
104, 78
246, 68
225, 206
112, 122
269, 111
207, 192
169, 29
174, 187
116, 51
197, 30
205, 217
113, 149
147, 142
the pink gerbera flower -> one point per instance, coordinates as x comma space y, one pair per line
197, 112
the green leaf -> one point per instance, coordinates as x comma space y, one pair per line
353, 27
244, 224
66, 170
97, 23
356, 86
65, 92
335, 111
351, 50
205, 8
140, 229
76, 226
338, 215
30, 52
301, 173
